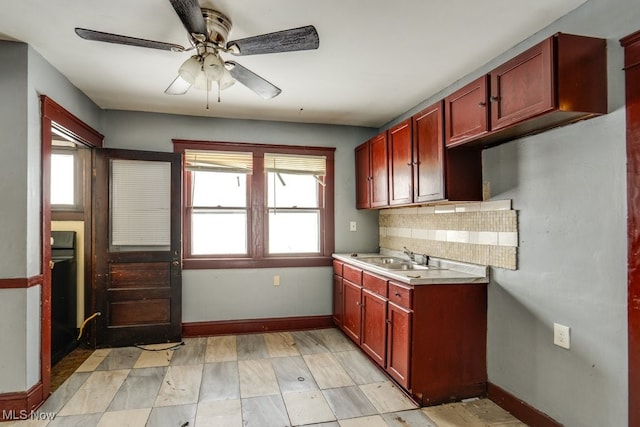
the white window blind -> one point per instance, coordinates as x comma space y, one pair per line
218, 161
295, 164
140, 203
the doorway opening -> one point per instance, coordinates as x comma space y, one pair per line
67, 153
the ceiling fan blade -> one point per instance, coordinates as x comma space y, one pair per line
303, 38
178, 87
190, 14
126, 40
253, 81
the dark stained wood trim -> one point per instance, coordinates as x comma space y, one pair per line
21, 402
519, 408
69, 124
257, 231
17, 283
631, 46
232, 327
54, 116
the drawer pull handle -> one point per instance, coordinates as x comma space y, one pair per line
397, 294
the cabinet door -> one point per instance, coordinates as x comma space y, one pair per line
428, 154
522, 87
338, 300
379, 171
466, 112
374, 331
400, 164
363, 176
352, 310
399, 344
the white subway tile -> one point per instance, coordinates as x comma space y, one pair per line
440, 235
508, 238
487, 238
496, 205
426, 210
445, 209
457, 236
418, 233
468, 207
398, 232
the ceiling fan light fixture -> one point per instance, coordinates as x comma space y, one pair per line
213, 66
227, 80
191, 69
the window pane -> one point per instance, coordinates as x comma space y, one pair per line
289, 190
294, 232
63, 179
214, 189
219, 232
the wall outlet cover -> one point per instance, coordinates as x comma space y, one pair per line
562, 335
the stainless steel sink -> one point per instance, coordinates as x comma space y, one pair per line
393, 263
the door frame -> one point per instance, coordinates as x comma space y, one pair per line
55, 116
631, 47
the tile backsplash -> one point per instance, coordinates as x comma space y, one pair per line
480, 233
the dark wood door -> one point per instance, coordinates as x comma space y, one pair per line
352, 310
400, 164
428, 154
467, 112
399, 344
363, 176
374, 326
338, 300
523, 87
137, 265
379, 171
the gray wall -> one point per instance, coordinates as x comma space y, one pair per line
233, 294
24, 76
569, 187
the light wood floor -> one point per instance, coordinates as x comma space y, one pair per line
306, 378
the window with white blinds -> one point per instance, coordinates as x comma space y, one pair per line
250, 205
140, 203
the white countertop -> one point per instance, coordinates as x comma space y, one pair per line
441, 271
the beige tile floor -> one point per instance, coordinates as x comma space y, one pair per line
306, 378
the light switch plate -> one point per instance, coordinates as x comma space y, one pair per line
353, 226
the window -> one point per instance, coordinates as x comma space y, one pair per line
66, 178
254, 205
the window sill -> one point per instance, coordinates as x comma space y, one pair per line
227, 263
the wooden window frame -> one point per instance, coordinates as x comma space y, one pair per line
257, 229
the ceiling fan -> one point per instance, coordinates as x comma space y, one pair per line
208, 30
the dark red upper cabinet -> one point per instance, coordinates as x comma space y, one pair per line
372, 173
428, 154
564, 75
400, 164
522, 87
363, 176
467, 112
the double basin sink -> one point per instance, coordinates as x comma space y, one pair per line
393, 263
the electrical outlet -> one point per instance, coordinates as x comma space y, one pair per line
276, 280
353, 226
561, 335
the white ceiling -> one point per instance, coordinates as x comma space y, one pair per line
377, 59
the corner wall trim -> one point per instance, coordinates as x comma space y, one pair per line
519, 408
21, 402
279, 324
21, 282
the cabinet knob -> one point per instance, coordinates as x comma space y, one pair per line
494, 98
482, 104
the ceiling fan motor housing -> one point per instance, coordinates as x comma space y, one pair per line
218, 26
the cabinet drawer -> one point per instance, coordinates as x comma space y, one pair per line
400, 295
374, 283
337, 267
352, 274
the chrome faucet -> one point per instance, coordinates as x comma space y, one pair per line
410, 254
